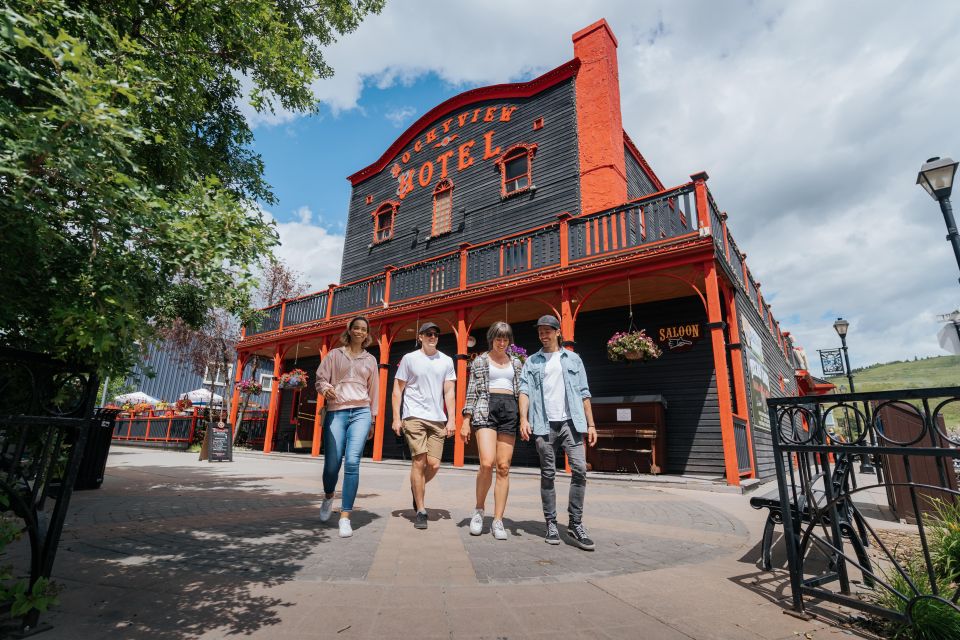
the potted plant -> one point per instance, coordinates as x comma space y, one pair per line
294, 379
632, 346
249, 387
142, 408
517, 352
183, 405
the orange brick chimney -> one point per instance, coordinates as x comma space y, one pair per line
603, 177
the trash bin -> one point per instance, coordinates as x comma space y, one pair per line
93, 462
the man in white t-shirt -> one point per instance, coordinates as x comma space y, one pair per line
425, 386
555, 409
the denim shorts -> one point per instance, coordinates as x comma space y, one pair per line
503, 415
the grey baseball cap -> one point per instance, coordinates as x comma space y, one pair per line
549, 321
427, 326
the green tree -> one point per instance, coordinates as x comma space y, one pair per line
127, 183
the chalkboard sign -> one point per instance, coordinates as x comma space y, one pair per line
221, 444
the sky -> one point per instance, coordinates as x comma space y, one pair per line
811, 118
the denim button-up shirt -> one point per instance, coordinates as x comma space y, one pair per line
574, 382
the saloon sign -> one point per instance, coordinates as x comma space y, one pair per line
679, 337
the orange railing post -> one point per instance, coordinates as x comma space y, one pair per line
700, 190
564, 219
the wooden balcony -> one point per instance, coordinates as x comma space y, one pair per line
676, 216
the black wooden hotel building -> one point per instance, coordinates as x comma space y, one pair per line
515, 200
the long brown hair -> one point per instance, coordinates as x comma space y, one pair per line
345, 336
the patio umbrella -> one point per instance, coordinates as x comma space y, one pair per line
135, 398
202, 396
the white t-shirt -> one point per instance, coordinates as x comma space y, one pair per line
424, 377
501, 377
554, 390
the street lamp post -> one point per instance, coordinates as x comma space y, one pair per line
936, 177
841, 326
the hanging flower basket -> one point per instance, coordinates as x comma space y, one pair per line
517, 352
183, 404
249, 387
632, 346
294, 379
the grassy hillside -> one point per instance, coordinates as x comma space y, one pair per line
942, 371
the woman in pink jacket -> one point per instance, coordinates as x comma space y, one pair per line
348, 379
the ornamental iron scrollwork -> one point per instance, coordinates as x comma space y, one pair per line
46, 410
834, 552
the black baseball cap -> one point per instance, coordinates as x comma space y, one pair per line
549, 321
427, 326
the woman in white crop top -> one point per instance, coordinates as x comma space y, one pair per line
492, 413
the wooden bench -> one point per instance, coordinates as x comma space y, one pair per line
812, 508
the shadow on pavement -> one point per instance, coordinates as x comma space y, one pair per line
180, 559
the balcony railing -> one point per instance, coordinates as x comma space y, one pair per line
672, 213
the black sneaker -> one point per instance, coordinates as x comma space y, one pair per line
553, 535
578, 532
421, 521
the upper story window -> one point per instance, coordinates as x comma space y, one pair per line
384, 218
516, 169
442, 208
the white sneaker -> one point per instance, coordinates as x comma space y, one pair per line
326, 509
476, 523
498, 531
345, 529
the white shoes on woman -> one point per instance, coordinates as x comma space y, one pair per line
346, 530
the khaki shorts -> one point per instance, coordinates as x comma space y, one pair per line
424, 436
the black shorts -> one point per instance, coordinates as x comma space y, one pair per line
503, 415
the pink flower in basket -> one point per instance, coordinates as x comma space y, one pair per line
249, 387
294, 379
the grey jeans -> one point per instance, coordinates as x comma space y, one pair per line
562, 436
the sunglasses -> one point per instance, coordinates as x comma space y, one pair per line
431, 334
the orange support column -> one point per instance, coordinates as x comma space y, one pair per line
461, 363
564, 219
317, 427
566, 316
235, 400
715, 323
739, 375
380, 424
273, 414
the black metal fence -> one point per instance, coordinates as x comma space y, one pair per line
46, 410
834, 552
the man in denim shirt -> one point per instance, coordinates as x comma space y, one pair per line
555, 406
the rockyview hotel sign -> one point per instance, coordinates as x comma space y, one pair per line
455, 154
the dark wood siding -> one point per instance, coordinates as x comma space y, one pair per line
777, 366
686, 380
638, 184
479, 213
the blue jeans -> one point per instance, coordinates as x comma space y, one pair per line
344, 434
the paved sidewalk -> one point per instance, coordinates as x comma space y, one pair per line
174, 548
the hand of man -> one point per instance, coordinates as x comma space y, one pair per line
397, 426
524, 430
591, 435
451, 427
370, 432
465, 430
330, 394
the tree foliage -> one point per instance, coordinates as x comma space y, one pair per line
127, 181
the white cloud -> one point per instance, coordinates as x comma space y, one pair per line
811, 118
400, 116
309, 249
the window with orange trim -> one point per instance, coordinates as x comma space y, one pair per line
516, 169
383, 221
442, 207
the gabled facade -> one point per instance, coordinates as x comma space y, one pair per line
511, 201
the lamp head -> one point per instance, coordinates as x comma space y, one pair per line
936, 177
841, 327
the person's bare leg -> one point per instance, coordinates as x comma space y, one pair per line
487, 449
417, 478
505, 446
431, 466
